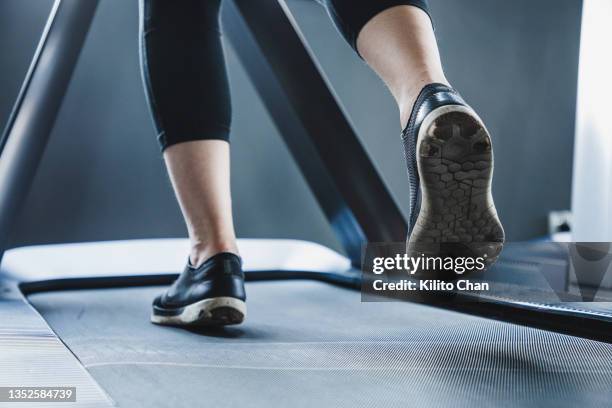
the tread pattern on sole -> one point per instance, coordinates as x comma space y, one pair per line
224, 316
455, 162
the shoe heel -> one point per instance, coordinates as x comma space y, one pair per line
455, 162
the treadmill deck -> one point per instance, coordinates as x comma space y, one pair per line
309, 343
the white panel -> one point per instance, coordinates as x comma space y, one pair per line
159, 256
592, 184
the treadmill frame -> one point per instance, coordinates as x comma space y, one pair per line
337, 168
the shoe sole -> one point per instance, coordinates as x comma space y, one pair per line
455, 162
218, 311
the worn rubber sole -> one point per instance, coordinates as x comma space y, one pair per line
457, 216
219, 311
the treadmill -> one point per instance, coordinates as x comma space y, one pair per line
309, 339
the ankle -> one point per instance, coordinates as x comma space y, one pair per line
200, 252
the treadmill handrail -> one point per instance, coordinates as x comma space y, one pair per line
32, 119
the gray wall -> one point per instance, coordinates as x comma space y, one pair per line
102, 177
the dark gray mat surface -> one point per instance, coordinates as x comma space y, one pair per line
309, 344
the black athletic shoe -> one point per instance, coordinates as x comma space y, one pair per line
450, 166
212, 294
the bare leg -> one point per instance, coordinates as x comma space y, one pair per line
399, 44
200, 174
187, 88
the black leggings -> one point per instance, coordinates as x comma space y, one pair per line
184, 69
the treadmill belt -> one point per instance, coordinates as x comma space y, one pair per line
310, 344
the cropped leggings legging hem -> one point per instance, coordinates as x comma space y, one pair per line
183, 66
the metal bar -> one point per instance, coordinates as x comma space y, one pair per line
307, 114
25, 137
